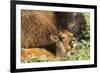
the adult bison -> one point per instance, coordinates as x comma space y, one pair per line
38, 26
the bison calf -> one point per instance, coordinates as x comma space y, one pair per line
62, 43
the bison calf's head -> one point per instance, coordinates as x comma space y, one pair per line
63, 42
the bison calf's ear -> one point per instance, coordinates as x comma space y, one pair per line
61, 37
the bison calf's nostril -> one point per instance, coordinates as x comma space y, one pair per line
74, 39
